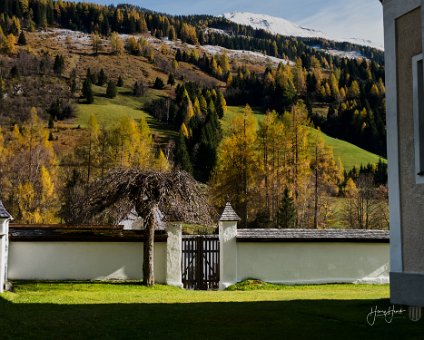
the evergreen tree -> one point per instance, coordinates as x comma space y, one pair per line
120, 82
59, 64
102, 78
14, 71
71, 194
159, 85
182, 157
54, 110
138, 89
111, 90
22, 39
206, 156
171, 79
221, 105
287, 212
380, 175
87, 91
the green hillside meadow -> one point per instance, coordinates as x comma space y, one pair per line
349, 154
109, 111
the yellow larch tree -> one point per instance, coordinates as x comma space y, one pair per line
326, 174
116, 43
237, 163
48, 198
162, 163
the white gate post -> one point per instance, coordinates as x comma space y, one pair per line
4, 245
228, 247
174, 255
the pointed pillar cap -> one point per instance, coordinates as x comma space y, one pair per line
229, 214
3, 211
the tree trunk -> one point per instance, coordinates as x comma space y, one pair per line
245, 190
149, 244
316, 187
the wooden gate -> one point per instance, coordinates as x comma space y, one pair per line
200, 262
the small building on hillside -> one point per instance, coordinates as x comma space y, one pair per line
404, 32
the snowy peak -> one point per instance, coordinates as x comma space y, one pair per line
285, 27
273, 24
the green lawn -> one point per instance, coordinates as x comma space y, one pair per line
261, 311
349, 154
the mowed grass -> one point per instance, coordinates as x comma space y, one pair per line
349, 154
109, 112
254, 311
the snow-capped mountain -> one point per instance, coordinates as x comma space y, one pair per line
285, 27
273, 24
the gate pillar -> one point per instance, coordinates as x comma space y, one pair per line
173, 255
228, 247
4, 245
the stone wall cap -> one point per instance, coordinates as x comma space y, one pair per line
312, 235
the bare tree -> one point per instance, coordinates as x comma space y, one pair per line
366, 205
156, 196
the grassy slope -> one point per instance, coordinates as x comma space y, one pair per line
349, 154
109, 111
70, 310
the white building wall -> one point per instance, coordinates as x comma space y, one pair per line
313, 262
83, 261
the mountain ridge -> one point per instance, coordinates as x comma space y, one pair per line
278, 25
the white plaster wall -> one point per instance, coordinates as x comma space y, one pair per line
308, 262
4, 242
2, 262
82, 261
228, 253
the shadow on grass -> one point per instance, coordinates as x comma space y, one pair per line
301, 319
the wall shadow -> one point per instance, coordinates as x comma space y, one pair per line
299, 319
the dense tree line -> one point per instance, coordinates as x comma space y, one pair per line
93, 18
353, 89
39, 186
282, 174
195, 114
